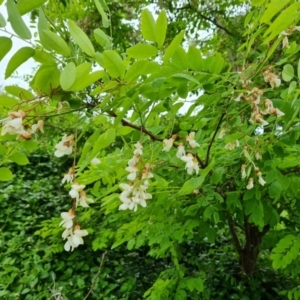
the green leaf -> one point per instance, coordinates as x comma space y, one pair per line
2, 21
288, 72
19, 158
16, 21
89, 80
21, 56
298, 69
43, 25
286, 18
187, 77
148, 26
46, 79
161, 29
105, 21
7, 101
56, 43
5, 174
25, 6
6, 44
102, 38
67, 76
273, 8
113, 63
275, 190
19, 92
142, 51
81, 39
173, 46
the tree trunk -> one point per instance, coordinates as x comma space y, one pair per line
249, 252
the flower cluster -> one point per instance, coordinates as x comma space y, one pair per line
191, 161
286, 33
79, 195
73, 235
13, 124
135, 193
271, 78
250, 184
253, 97
65, 146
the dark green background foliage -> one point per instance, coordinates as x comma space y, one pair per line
31, 268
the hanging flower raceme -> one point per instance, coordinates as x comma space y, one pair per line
138, 149
271, 78
65, 146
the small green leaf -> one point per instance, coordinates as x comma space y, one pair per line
161, 29
113, 63
19, 92
186, 76
102, 38
25, 6
142, 51
43, 25
288, 72
173, 46
6, 44
16, 21
148, 26
5, 174
21, 56
56, 43
298, 69
7, 101
81, 39
2, 21
67, 76
105, 21
19, 158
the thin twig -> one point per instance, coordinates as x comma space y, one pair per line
213, 138
96, 276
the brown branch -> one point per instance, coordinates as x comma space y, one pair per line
215, 22
234, 236
213, 138
152, 136
96, 276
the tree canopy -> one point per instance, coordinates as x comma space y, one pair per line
177, 127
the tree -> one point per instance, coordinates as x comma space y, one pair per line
161, 175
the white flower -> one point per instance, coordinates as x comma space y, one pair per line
285, 42
230, 146
39, 126
278, 113
68, 217
258, 155
13, 126
95, 161
222, 133
168, 144
69, 177
133, 161
260, 179
180, 151
75, 239
191, 139
257, 117
133, 170
83, 200
238, 98
75, 189
64, 147
196, 166
243, 170
67, 232
250, 184
189, 160
139, 149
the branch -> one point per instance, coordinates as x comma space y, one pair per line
234, 236
96, 276
152, 136
139, 128
213, 138
189, 6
